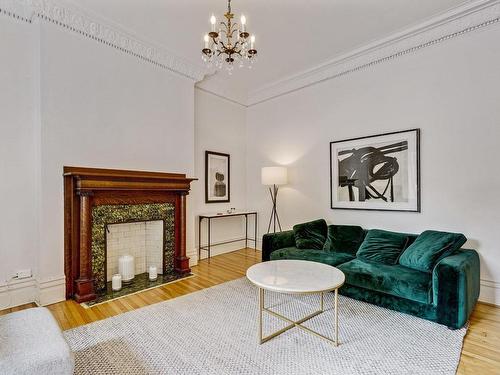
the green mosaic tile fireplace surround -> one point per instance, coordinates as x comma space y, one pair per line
104, 215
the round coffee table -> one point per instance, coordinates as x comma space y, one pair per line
295, 277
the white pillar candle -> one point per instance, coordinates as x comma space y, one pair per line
153, 273
116, 282
126, 267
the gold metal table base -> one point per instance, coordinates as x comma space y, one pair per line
297, 323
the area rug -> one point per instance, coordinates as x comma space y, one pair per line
214, 331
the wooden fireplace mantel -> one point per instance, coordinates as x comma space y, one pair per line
85, 188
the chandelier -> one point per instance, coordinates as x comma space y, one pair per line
229, 45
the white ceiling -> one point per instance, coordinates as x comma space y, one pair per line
292, 35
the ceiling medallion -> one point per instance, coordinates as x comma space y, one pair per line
229, 45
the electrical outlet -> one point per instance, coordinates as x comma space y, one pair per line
23, 274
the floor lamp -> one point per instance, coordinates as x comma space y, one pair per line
273, 177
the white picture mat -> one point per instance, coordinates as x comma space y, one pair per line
217, 164
377, 204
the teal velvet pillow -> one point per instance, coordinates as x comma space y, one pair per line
429, 248
344, 239
382, 246
310, 235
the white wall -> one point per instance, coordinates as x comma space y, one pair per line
69, 100
103, 108
220, 126
18, 224
449, 90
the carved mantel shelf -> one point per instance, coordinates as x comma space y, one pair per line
85, 188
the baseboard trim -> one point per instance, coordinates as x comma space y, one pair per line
17, 293
51, 291
490, 292
219, 247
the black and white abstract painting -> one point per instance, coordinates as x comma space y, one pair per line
217, 177
380, 172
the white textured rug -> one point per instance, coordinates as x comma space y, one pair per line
214, 331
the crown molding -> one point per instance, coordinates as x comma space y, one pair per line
17, 9
453, 23
75, 19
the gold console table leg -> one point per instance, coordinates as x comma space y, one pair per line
297, 323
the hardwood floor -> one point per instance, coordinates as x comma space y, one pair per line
480, 353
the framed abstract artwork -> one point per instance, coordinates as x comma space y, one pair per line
217, 177
378, 172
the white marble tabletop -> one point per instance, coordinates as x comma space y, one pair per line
295, 276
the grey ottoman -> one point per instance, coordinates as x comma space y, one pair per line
31, 342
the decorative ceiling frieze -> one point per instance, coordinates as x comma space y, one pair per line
457, 22
76, 20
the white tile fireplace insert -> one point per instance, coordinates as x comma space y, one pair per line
143, 240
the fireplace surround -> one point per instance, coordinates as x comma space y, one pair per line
95, 198
105, 215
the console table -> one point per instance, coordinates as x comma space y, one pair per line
212, 216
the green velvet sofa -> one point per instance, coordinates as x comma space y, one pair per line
444, 290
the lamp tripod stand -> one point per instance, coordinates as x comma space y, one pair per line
274, 218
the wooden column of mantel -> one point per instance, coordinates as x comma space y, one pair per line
85, 188
181, 261
84, 283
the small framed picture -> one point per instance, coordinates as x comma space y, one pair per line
217, 177
378, 172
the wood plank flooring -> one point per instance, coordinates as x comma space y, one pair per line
480, 353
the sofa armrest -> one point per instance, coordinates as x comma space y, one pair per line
455, 282
275, 241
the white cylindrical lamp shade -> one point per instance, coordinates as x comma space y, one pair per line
274, 176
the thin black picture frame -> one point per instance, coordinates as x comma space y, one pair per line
419, 204
207, 155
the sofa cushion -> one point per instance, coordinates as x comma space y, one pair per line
310, 235
344, 238
429, 248
395, 280
333, 259
382, 246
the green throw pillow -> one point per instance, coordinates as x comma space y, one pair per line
310, 235
382, 246
344, 239
429, 248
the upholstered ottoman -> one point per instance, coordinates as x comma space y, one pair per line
31, 342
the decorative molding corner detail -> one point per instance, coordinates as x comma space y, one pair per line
215, 92
100, 30
454, 23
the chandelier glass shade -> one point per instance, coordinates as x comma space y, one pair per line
230, 44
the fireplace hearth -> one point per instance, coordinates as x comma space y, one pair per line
95, 199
